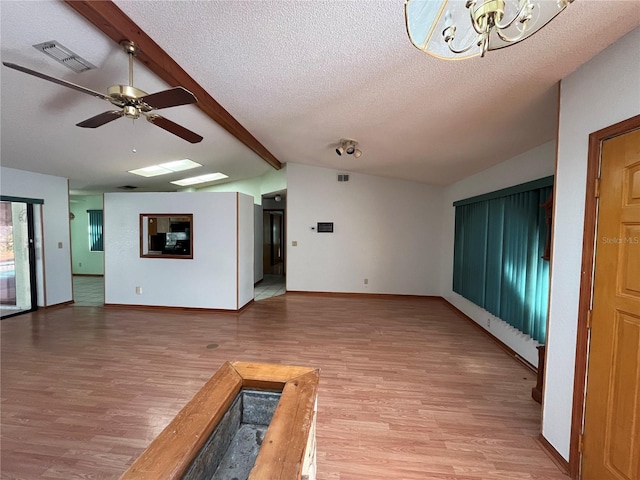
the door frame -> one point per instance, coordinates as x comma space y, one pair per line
31, 250
283, 240
586, 283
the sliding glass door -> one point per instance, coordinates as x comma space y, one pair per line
17, 258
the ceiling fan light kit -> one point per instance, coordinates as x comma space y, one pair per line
131, 101
348, 146
460, 29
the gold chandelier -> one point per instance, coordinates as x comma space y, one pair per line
459, 29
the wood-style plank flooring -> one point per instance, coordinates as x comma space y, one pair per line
408, 389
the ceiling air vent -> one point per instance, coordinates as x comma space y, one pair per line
64, 56
127, 187
343, 177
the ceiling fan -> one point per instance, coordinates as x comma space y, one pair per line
131, 101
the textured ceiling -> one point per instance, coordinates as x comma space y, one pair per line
299, 75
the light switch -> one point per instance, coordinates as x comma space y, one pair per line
294, 243
59, 244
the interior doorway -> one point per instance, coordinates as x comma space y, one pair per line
613, 377
273, 246
87, 249
608, 344
18, 292
273, 251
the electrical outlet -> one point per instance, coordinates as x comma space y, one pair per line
488, 323
294, 243
366, 281
138, 290
79, 264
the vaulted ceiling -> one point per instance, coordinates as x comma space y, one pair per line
297, 76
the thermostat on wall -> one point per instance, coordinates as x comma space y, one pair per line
325, 227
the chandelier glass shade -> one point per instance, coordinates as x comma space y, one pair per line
459, 29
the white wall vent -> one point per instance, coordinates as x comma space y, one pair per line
64, 56
343, 177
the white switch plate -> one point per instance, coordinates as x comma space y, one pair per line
138, 290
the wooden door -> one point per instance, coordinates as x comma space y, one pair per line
612, 414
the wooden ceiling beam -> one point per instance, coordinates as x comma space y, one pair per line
113, 22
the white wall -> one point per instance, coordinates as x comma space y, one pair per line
272, 181
55, 218
208, 280
246, 240
258, 267
602, 92
385, 230
536, 163
272, 204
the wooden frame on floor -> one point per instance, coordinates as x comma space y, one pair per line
282, 454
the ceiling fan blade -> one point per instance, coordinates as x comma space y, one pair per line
101, 119
64, 83
174, 128
169, 98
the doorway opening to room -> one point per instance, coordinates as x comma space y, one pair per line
87, 249
273, 281
18, 292
273, 246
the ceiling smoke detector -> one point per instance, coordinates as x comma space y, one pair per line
348, 146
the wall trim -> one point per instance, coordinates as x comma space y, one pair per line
369, 295
586, 283
172, 309
553, 228
87, 275
57, 305
558, 459
511, 352
44, 261
238, 250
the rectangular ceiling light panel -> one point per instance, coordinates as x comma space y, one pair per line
180, 165
151, 171
65, 56
210, 177
165, 168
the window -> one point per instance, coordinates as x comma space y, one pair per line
166, 235
95, 231
499, 244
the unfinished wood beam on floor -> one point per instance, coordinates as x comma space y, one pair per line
408, 389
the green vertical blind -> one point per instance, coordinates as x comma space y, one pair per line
498, 248
95, 231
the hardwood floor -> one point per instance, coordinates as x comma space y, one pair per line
408, 389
